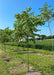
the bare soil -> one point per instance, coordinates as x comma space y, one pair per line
1, 51
32, 73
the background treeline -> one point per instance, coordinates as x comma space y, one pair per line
7, 35
42, 37
39, 44
42, 42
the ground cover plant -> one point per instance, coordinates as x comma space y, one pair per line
41, 63
11, 64
31, 49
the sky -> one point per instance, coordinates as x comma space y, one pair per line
8, 8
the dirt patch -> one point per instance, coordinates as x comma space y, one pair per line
32, 73
16, 69
40, 54
50, 56
1, 51
5, 56
35, 73
19, 68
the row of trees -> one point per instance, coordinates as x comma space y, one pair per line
6, 35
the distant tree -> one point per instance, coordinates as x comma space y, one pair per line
47, 15
5, 35
8, 33
49, 37
43, 36
52, 36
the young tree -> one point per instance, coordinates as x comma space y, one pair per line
47, 15
26, 26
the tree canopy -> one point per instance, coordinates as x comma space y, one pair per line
26, 24
47, 12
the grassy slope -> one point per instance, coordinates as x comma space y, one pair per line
42, 63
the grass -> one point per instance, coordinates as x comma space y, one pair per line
11, 64
3, 68
43, 42
34, 50
41, 63
39, 44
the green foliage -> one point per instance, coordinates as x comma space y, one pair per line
47, 12
31, 49
6, 35
26, 24
39, 44
49, 37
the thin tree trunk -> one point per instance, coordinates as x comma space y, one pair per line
17, 45
50, 34
4, 46
23, 45
27, 54
27, 57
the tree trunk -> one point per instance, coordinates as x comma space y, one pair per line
4, 46
27, 57
27, 54
50, 34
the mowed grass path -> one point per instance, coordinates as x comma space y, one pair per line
41, 63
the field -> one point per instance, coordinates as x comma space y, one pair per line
14, 61
39, 44
45, 42
26, 38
